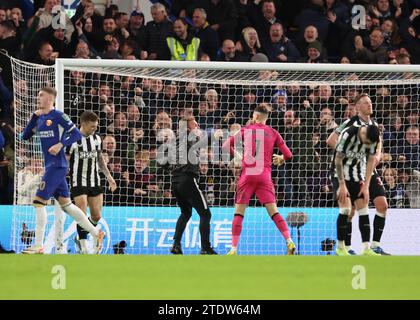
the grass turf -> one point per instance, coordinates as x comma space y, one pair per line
208, 277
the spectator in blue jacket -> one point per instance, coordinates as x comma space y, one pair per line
266, 19
2, 141
314, 15
340, 25
278, 47
228, 52
408, 153
157, 30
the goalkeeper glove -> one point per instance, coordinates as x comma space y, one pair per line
278, 160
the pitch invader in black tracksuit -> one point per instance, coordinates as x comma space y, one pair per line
185, 167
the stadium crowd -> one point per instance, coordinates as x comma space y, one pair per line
138, 114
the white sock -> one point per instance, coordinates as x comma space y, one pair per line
382, 215
348, 248
41, 222
234, 248
365, 246
375, 244
289, 240
59, 220
83, 245
341, 244
80, 218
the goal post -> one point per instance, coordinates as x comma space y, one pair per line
140, 104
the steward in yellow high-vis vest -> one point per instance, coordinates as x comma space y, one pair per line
183, 46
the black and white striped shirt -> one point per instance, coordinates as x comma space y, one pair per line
84, 164
355, 154
353, 121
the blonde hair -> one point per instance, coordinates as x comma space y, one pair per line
162, 123
245, 34
393, 171
143, 155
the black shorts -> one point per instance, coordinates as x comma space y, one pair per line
352, 186
88, 191
376, 187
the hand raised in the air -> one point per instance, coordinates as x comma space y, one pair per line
307, 104
218, 134
230, 115
126, 177
125, 33
140, 192
137, 134
414, 14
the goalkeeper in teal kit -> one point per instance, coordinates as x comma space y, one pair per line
55, 131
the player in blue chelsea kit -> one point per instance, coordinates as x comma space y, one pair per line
56, 131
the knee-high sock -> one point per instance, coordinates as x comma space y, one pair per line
342, 226
41, 221
378, 228
80, 218
364, 226
236, 229
349, 232
59, 221
82, 233
281, 225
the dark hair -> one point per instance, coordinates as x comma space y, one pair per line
277, 24
359, 97
265, 1
43, 44
182, 20
373, 133
131, 43
402, 56
113, 7
377, 29
88, 116
262, 108
49, 90
108, 17
8, 24
120, 14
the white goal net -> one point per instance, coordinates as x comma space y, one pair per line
140, 103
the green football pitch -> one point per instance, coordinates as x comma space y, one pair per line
208, 277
